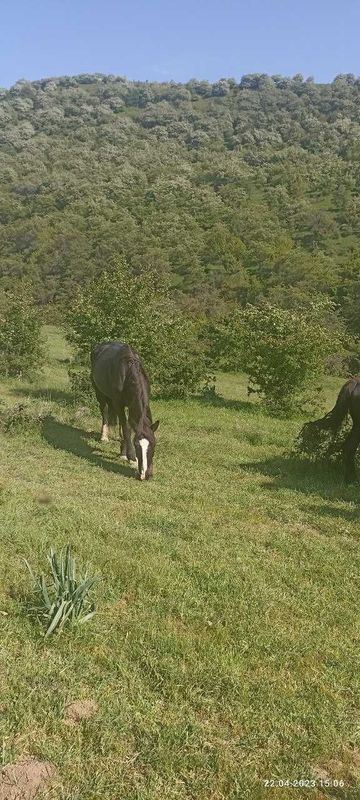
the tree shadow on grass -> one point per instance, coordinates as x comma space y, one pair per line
299, 475
334, 512
57, 395
75, 441
218, 401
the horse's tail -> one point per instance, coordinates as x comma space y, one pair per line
334, 418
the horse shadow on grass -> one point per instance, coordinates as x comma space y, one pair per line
309, 478
76, 441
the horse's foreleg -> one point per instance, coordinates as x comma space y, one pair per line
350, 447
127, 449
122, 442
122, 434
104, 430
104, 408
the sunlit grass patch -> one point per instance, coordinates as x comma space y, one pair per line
223, 647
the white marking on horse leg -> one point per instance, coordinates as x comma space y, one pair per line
105, 433
123, 454
144, 444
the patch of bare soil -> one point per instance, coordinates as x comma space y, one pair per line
78, 710
356, 757
345, 768
44, 499
320, 774
22, 781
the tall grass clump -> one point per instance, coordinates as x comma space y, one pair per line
62, 596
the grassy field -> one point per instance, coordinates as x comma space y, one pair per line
224, 652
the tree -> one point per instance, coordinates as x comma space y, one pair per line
21, 350
232, 189
282, 351
137, 309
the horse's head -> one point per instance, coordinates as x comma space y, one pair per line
144, 443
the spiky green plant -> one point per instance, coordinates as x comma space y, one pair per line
63, 597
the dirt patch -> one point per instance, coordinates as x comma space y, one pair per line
356, 758
351, 757
44, 499
320, 774
78, 710
345, 768
23, 780
81, 412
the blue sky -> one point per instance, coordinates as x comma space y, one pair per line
168, 40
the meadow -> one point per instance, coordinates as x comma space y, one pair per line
223, 652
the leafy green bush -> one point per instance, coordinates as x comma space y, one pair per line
284, 354
21, 418
81, 387
137, 309
283, 351
321, 446
62, 597
21, 349
224, 342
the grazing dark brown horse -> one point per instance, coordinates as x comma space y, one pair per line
348, 402
120, 383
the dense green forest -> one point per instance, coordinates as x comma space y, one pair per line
234, 190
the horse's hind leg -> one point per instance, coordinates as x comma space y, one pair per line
351, 445
124, 439
122, 442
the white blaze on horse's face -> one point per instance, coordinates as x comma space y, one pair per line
144, 444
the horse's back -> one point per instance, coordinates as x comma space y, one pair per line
108, 367
107, 351
354, 398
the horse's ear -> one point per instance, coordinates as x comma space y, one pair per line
155, 425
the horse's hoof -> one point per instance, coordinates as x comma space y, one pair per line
104, 439
123, 457
132, 462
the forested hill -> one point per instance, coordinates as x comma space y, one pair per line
238, 190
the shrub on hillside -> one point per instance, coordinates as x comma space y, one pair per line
21, 418
322, 446
81, 387
284, 354
21, 349
138, 310
224, 342
283, 351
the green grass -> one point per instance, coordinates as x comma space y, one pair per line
224, 648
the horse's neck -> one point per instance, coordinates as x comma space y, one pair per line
140, 422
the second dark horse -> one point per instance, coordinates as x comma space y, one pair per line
348, 402
120, 383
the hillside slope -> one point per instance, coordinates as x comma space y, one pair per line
235, 190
